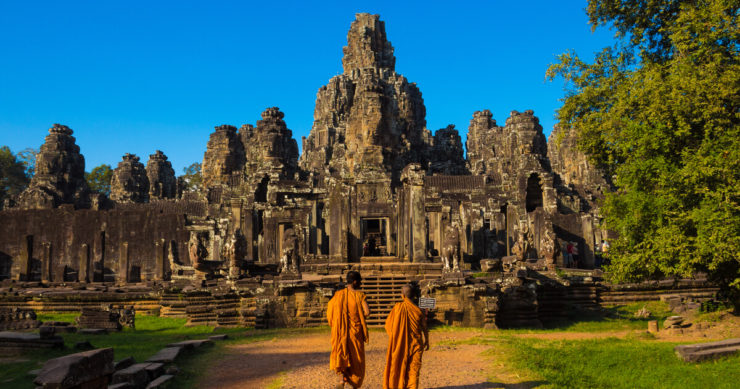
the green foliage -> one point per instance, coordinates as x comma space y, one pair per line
192, 178
660, 114
13, 177
99, 179
617, 363
27, 156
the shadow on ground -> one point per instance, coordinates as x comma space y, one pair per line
491, 385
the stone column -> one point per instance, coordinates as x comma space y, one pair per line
413, 180
123, 264
46, 265
25, 258
159, 255
83, 274
337, 225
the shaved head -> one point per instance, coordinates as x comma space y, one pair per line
407, 291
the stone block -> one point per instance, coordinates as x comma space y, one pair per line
166, 355
218, 337
76, 370
160, 382
124, 363
135, 375
191, 344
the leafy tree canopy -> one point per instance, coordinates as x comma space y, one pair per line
13, 177
659, 112
191, 178
28, 157
99, 179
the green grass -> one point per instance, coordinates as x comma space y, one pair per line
151, 335
617, 363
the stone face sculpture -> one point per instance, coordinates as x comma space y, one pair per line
59, 174
289, 259
224, 156
197, 252
234, 251
550, 247
369, 119
446, 155
523, 244
162, 181
129, 183
450, 252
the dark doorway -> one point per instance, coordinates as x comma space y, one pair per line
534, 192
374, 239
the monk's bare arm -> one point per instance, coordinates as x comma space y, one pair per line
365, 307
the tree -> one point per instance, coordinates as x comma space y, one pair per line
658, 112
192, 178
28, 157
99, 179
13, 177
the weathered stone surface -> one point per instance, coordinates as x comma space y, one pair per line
705, 351
166, 355
18, 319
162, 182
59, 177
160, 382
192, 344
270, 148
370, 118
124, 363
224, 157
76, 370
446, 155
129, 183
135, 375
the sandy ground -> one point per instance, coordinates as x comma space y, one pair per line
302, 361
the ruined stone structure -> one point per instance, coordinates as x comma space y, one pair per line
60, 174
373, 190
161, 176
130, 183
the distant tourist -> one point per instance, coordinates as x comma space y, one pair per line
569, 254
346, 313
408, 338
574, 253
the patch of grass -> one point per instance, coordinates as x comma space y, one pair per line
711, 317
617, 363
58, 316
278, 382
151, 335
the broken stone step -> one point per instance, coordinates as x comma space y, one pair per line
703, 351
166, 355
135, 375
160, 382
710, 354
191, 344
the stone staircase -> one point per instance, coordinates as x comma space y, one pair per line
382, 293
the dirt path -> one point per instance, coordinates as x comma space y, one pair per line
303, 362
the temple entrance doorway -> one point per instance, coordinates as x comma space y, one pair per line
374, 237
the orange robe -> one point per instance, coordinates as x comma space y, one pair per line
405, 346
348, 335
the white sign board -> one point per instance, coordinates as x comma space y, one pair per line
427, 303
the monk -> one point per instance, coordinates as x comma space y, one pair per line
408, 338
346, 313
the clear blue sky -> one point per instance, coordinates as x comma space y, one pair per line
136, 76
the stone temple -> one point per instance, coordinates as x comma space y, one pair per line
270, 233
